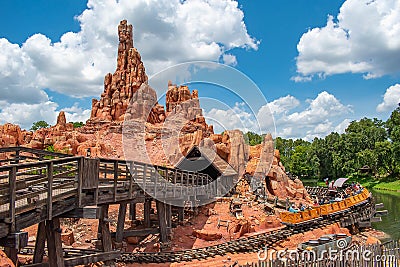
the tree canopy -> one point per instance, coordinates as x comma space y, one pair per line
38, 125
369, 143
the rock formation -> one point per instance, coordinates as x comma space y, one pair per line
265, 164
159, 136
120, 88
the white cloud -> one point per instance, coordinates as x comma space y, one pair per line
234, 118
391, 99
25, 114
323, 115
76, 114
341, 127
166, 32
229, 59
365, 38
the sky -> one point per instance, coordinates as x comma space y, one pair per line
318, 64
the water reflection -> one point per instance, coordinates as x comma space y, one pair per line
390, 223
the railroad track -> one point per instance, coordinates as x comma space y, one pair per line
241, 245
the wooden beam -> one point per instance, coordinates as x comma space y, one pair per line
168, 214
121, 222
86, 213
162, 222
15, 240
104, 227
12, 180
49, 190
132, 211
54, 245
181, 214
40, 243
92, 258
146, 211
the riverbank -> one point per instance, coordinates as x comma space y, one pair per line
368, 182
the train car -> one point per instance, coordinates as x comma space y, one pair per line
323, 211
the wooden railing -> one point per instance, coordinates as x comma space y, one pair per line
31, 186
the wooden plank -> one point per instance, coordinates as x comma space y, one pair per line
115, 180
86, 213
80, 181
90, 173
54, 245
40, 243
92, 258
50, 191
121, 222
13, 195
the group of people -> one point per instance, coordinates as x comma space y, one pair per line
350, 190
301, 207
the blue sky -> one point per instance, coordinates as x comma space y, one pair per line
319, 63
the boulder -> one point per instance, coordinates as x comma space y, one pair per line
207, 235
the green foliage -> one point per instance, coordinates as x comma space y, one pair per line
38, 125
78, 124
367, 142
253, 138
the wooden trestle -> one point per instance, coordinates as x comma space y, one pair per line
53, 186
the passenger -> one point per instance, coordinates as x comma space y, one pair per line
293, 209
302, 207
339, 198
316, 204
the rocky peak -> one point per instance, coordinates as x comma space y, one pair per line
120, 87
61, 120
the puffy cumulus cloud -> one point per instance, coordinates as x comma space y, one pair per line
18, 77
321, 116
229, 59
76, 113
391, 99
25, 114
238, 117
365, 38
165, 32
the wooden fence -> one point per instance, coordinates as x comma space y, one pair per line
386, 255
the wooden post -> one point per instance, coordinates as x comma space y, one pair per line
146, 211
12, 181
181, 214
168, 214
80, 180
132, 211
49, 191
121, 222
104, 227
162, 222
40, 243
115, 180
54, 245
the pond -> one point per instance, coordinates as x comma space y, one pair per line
390, 223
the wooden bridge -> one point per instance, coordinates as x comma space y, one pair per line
39, 187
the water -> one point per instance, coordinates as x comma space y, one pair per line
390, 223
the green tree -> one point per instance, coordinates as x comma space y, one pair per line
38, 125
78, 124
254, 139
